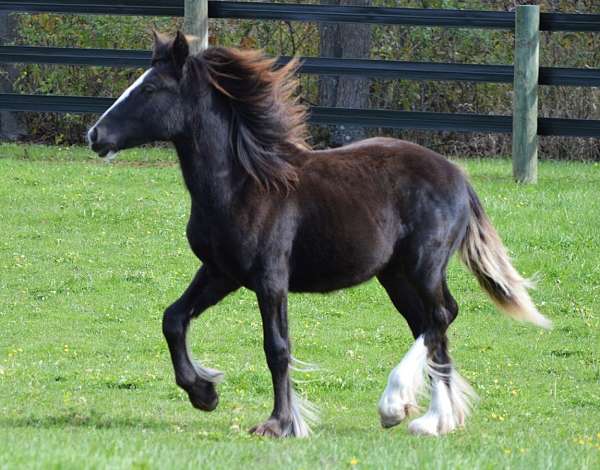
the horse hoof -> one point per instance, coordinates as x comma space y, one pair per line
432, 424
391, 416
389, 421
202, 404
270, 428
203, 395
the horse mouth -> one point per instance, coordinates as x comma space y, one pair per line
105, 151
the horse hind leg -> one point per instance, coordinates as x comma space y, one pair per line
451, 398
461, 393
450, 393
439, 418
407, 380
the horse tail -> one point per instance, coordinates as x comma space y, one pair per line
485, 255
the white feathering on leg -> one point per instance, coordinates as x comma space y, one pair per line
462, 397
405, 383
451, 398
304, 413
208, 374
303, 367
439, 419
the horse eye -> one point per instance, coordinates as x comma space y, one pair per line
148, 89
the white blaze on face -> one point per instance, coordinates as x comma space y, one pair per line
121, 98
127, 92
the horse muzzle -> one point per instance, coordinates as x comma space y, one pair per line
101, 142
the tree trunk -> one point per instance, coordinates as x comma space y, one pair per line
346, 40
10, 127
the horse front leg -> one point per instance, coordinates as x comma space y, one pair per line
206, 289
272, 301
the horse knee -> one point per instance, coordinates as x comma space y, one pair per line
449, 313
452, 308
443, 317
278, 354
173, 324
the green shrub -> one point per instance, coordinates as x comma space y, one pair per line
388, 43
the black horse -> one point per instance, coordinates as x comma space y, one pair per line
271, 215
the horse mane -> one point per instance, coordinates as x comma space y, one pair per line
268, 123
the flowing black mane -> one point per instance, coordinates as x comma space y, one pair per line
267, 119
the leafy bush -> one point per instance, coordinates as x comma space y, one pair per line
388, 43
108, 32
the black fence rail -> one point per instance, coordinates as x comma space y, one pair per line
458, 122
317, 13
315, 65
321, 66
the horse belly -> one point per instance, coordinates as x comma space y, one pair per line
323, 264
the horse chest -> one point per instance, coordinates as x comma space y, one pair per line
221, 248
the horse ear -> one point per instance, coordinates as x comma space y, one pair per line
180, 50
160, 46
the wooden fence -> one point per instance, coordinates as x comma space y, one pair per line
526, 75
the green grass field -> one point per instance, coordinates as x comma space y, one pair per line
91, 254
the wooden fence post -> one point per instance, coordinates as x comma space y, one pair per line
525, 94
11, 126
195, 23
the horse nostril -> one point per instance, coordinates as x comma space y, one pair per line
93, 135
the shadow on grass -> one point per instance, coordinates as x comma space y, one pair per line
98, 421
91, 420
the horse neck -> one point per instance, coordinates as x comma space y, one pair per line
208, 169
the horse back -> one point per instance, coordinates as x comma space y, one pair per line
357, 203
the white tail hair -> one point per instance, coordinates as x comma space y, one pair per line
485, 255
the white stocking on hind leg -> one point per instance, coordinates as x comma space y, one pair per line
439, 419
451, 398
429, 311
450, 395
405, 383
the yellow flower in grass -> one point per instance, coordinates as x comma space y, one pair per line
353, 461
